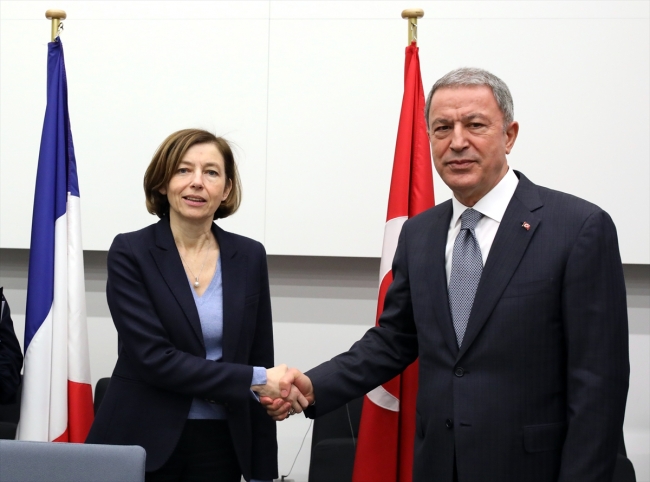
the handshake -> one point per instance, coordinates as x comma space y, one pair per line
287, 391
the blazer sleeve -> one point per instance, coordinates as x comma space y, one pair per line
265, 445
11, 357
382, 353
595, 322
137, 308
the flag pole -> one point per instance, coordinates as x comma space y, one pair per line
56, 16
412, 14
387, 430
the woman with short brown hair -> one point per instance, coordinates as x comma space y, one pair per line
192, 309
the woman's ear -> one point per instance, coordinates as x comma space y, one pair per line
227, 190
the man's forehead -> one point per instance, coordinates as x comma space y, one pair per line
463, 97
464, 91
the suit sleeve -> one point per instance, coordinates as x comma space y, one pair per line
11, 358
596, 329
265, 445
382, 353
148, 347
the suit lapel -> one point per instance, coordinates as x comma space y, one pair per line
233, 275
168, 261
436, 266
508, 248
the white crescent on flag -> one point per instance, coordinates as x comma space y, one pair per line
380, 396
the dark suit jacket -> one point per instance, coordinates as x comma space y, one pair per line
161, 365
11, 358
537, 391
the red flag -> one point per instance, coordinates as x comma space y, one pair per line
385, 446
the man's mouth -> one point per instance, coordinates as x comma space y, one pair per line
460, 162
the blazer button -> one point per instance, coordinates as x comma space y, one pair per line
449, 423
459, 372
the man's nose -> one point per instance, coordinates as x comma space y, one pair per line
458, 138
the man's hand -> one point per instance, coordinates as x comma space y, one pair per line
297, 393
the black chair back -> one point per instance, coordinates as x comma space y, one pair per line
10, 415
334, 443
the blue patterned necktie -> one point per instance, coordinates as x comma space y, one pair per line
466, 268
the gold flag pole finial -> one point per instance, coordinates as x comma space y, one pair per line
413, 14
56, 16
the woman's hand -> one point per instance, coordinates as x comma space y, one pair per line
272, 387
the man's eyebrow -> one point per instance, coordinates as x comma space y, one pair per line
441, 120
473, 116
465, 119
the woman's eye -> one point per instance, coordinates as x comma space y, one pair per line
183, 170
213, 173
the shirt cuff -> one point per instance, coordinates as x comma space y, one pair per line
259, 378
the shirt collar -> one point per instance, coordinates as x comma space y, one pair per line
494, 203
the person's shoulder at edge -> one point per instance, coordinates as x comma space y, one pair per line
566, 204
569, 203
147, 231
427, 214
242, 242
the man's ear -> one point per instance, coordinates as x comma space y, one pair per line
511, 135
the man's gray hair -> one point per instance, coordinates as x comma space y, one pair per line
468, 76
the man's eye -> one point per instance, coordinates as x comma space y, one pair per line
475, 125
440, 131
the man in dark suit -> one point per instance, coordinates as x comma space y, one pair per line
11, 358
513, 297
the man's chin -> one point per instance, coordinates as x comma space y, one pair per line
461, 180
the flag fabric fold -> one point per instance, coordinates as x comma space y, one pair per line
56, 402
385, 445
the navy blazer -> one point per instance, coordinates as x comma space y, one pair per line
161, 363
537, 391
11, 358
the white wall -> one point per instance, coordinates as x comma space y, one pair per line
320, 307
310, 93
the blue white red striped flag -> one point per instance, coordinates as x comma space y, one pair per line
57, 395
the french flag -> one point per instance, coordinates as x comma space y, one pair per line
57, 402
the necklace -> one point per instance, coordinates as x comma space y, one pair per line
196, 278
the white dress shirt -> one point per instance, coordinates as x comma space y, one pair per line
492, 206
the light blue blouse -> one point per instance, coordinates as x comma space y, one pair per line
210, 308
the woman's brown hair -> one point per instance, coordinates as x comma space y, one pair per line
165, 161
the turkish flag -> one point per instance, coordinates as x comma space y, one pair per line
385, 445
